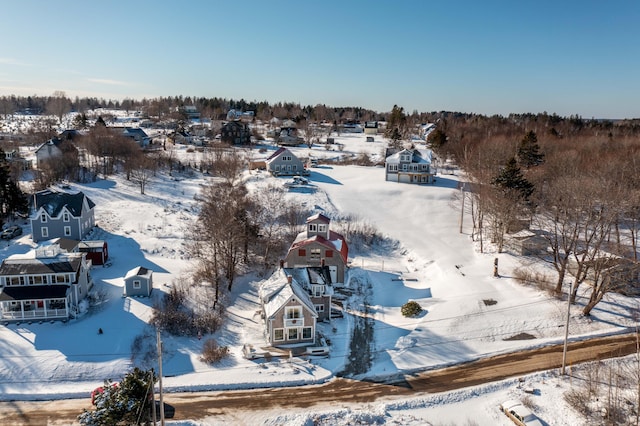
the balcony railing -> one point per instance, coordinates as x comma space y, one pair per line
34, 314
293, 322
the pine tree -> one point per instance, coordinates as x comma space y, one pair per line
396, 124
12, 199
437, 138
529, 151
512, 180
126, 402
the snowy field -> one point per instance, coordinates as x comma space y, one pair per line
433, 264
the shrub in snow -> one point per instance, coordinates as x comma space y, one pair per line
176, 317
83, 306
212, 353
411, 309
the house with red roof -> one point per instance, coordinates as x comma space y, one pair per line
319, 246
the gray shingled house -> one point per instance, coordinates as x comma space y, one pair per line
59, 214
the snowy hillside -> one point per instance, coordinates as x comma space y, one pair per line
468, 312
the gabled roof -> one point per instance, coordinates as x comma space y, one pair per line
288, 124
318, 217
234, 123
335, 242
279, 152
418, 156
139, 271
135, 131
53, 141
276, 292
53, 202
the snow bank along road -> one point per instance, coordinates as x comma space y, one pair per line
196, 406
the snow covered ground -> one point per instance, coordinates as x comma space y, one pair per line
468, 313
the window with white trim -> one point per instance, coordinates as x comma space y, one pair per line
66, 217
137, 284
292, 334
319, 308
43, 218
67, 231
313, 227
44, 231
315, 254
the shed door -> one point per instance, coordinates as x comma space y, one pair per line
333, 271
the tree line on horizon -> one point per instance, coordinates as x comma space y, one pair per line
215, 108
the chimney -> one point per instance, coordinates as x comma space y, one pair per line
322, 262
289, 279
281, 263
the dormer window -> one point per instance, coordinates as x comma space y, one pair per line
322, 228
405, 158
43, 218
313, 227
66, 217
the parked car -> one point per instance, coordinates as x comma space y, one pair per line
519, 414
11, 232
169, 410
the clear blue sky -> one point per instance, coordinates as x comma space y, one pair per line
487, 57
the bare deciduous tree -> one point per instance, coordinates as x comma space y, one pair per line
59, 105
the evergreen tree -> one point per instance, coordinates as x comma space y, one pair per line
80, 121
126, 402
396, 124
437, 138
529, 151
12, 199
512, 181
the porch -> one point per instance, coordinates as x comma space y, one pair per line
26, 303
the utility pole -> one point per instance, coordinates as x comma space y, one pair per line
153, 401
161, 403
566, 330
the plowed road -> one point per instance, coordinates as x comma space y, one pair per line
196, 406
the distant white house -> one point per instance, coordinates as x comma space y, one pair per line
138, 135
410, 166
426, 129
49, 150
